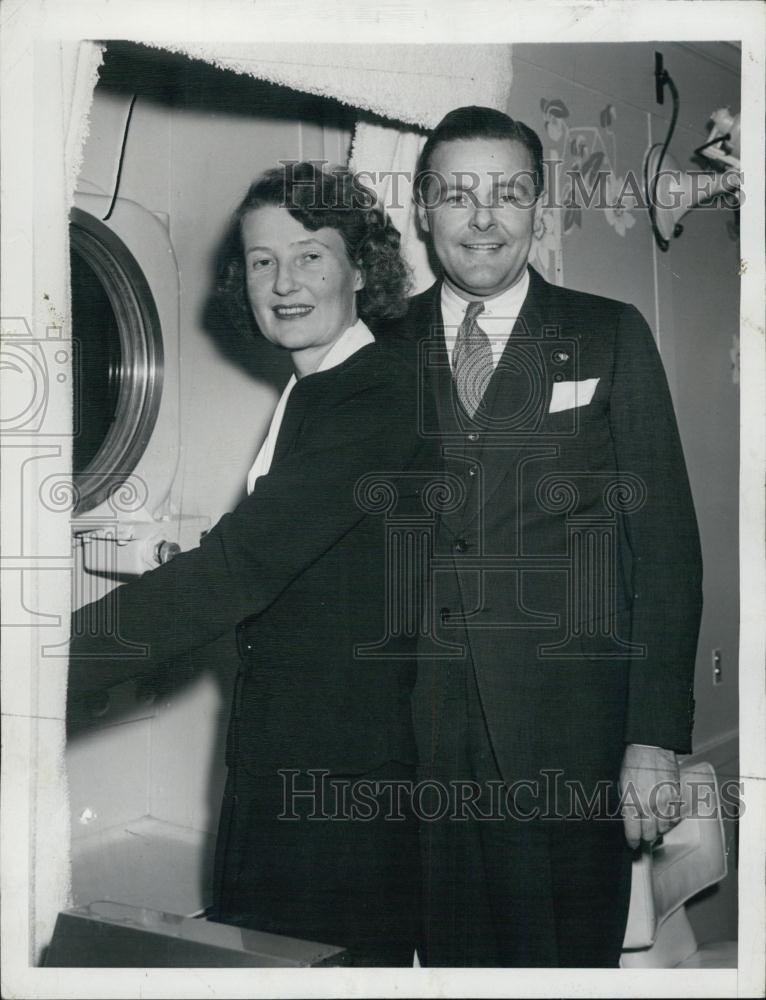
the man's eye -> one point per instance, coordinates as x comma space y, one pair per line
459, 198
522, 198
259, 263
312, 255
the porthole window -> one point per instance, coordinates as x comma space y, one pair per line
118, 360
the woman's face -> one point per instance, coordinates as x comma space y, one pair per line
301, 285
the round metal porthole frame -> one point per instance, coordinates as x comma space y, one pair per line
140, 334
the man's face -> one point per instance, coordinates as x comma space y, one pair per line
480, 213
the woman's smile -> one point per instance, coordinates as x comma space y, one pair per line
292, 312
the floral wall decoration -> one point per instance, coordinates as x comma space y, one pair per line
546, 250
582, 170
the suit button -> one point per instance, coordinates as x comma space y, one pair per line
244, 643
473, 436
461, 545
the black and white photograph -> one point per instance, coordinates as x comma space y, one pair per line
382, 510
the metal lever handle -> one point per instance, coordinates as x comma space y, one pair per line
165, 551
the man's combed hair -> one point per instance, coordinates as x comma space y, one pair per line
319, 198
475, 122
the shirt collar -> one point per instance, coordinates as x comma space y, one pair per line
496, 320
505, 305
349, 342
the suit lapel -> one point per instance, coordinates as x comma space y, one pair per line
434, 362
517, 397
453, 424
515, 403
292, 419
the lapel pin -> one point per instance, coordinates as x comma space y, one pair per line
560, 357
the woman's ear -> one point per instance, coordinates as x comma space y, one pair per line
359, 280
422, 217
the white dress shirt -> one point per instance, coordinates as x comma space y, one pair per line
497, 320
356, 337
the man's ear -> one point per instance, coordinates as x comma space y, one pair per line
423, 218
538, 211
359, 279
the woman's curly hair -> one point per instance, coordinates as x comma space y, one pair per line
316, 198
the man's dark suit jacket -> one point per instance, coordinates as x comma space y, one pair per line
570, 571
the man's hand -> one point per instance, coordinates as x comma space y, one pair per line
650, 784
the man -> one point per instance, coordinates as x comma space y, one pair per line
567, 577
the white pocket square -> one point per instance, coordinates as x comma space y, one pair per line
567, 395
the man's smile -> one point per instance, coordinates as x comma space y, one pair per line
483, 247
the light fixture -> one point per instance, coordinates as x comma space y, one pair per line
670, 192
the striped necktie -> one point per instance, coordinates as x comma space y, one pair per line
472, 360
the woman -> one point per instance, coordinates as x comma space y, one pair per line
299, 570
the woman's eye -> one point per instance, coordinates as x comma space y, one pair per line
259, 263
311, 255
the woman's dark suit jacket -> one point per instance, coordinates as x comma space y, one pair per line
298, 568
